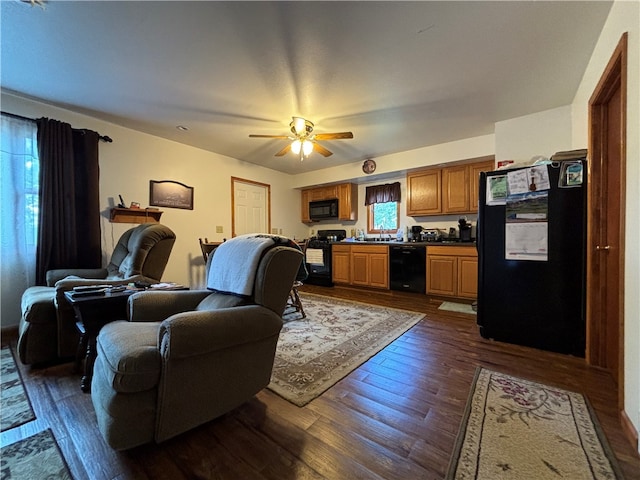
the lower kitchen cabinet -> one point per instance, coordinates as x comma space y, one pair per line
341, 266
452, 271
361, 265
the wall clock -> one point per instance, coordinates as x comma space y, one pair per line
369, 166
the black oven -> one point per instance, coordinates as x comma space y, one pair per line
318, 256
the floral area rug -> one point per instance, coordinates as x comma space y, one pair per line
334, 339
517, 429
15, 408
35, 457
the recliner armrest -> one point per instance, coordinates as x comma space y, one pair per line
196, 333
153, 306
53, 276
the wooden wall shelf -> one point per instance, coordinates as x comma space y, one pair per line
134, 215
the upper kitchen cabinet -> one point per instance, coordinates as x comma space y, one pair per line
423, 192
346, 193
347, 201
445, 190
474, 179
455, 189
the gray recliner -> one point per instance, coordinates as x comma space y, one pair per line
47, 326
186, 357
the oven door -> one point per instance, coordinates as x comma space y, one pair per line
318, 260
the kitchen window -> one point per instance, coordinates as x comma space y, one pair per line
383, 208
383, 217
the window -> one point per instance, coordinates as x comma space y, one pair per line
383, 217
19, 186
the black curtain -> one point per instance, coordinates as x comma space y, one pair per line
389, 192
69, 210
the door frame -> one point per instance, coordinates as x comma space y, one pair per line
267, 199
613, 77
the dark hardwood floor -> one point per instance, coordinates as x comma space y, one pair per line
395, 417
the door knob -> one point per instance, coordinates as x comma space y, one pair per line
606, 247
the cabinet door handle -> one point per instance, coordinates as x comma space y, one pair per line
606, 247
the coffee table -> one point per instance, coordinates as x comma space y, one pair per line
93, 311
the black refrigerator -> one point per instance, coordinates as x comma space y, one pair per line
528, 296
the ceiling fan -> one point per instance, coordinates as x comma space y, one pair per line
303, 140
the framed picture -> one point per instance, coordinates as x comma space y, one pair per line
167, 193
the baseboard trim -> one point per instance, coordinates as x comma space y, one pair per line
629, 430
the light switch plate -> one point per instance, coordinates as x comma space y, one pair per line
219, 229
274, 231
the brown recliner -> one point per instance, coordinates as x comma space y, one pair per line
186, 357
47, 326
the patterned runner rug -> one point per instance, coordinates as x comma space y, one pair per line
517, 429
35, 457
334, 339
15, 408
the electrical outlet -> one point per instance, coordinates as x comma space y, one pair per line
219, 229
280, 231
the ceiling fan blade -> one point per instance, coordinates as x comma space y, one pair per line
268, 136
333, 136
321, 150
284, 151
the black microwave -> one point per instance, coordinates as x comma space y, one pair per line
324, 209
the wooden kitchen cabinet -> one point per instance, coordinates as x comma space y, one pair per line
452, 271
341, 264
445, 190
423, 192
474, 179
361, 265
455, 189
346, 193
370, 266
304, 206
347, 201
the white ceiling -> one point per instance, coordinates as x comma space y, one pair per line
399, 75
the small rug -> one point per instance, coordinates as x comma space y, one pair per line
34, 457
15, 408
456, 307
334, 339
516, 429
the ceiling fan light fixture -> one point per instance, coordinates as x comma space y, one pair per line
296, 145
307, 148
298, 125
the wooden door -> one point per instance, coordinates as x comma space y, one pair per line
341, 256
442, 274
360, 268
467, 277
250, 207
455, 189
423, 192
474, 181
605, 237
379, 270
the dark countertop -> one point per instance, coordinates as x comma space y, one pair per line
395, 242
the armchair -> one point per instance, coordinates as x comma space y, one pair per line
186, 357
47, 327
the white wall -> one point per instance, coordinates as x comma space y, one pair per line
542, 133
134, 158
624, 17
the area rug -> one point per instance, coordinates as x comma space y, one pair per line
35, 457
456, 307
15, 408
515, 429
334, 339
